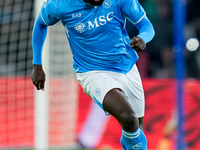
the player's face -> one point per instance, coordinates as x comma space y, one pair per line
94, 2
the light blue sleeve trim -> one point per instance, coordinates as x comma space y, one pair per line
132, 10
146, 30
43, 19
139, 19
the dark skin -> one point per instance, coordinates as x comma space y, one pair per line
117, 96
38, 77
94, 2
115, 100
137, 43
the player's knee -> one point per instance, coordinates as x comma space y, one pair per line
129, 121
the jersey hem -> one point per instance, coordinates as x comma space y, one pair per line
103, 69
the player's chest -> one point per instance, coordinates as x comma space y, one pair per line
93, 18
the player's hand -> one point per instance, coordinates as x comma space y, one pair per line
137, 43
38, 77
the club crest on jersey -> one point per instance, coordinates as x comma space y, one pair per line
137, 146
80, 27
107, 3
97, 91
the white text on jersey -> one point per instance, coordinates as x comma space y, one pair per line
102, 20
76, 15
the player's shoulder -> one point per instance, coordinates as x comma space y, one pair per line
119, 2
58, 2
58, 5
64, 3
112, 2
126, 3
125, 0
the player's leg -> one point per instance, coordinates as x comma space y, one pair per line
141, 123
115, 102
141, 127
104, 87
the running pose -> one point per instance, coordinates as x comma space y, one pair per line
104, 56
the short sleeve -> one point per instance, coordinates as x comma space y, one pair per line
49, 12
132, 10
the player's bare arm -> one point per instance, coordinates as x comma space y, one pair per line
38, 77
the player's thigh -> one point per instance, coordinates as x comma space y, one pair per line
115, 102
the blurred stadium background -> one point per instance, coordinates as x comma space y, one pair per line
55, 119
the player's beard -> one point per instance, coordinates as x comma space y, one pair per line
94, 2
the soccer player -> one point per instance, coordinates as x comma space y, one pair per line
104, 56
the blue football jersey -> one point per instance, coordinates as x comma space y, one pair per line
96, 34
